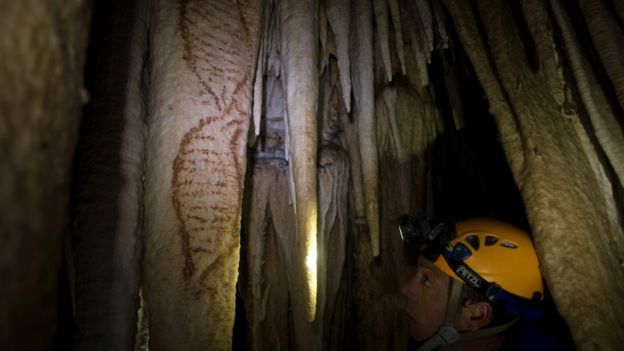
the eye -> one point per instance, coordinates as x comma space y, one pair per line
425, 280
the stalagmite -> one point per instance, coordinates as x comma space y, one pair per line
333, 190
333, 175
267, 289
381, 21
340, 22
298, 23
608, 40
201, 78
363, 88
268, 224
398, 33
256, 238
566, 213
606, 127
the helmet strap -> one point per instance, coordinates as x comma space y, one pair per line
448, 334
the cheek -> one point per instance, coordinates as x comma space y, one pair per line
425, 314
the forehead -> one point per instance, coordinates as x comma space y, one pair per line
427, 265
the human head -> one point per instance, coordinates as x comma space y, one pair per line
426, 294
494, 259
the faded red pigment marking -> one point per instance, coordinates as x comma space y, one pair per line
234, 143
219, 262
201, 171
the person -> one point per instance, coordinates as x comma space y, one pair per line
477, 286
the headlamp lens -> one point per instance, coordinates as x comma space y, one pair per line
417, 231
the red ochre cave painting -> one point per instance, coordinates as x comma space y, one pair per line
208, 170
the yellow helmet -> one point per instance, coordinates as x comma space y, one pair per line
498, 253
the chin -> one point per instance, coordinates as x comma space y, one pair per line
416, 333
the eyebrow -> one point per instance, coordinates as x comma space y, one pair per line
427, 265
427, 268
433, 273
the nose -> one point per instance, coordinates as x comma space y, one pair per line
408, 290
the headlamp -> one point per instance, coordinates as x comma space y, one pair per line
417, 231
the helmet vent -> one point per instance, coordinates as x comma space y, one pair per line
490, 240
508, 244
473, 240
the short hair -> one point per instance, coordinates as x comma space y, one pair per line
469, 295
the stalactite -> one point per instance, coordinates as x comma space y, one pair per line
363, 88
418, 54
43, 50
274, 60
619, 9
390, 98
261, 67
606, 127
536, 15
270, 179
273, 101
468, 31
299, 50
548, 148
422, 11
108, 194
301, 333
381, 21
382, 35
453, 91
201, 86
339, 20
398, 33
257, 95
608, 40
352, 144
403, 189
323, 34
604, 181
407, 124
440, 25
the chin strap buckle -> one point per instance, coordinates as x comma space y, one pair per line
446, 335
449, 335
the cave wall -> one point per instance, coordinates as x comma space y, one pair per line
556, 171
355, 111
41, 94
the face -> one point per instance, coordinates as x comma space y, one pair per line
426, 295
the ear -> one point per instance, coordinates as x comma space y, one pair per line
477, 315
